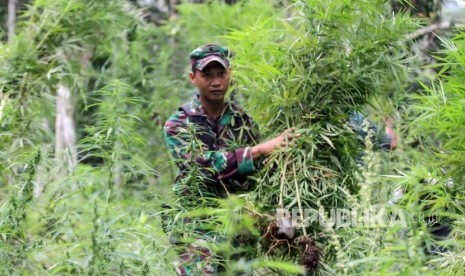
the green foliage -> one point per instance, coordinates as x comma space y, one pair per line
222, 18
306, 65
114, 139
310, 71
340, 52
441, 110
80, 221
228, 227
438, 123
15, 242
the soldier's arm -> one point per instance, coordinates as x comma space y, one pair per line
271, 145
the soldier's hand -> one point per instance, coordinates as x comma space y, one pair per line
390, 132
282, 140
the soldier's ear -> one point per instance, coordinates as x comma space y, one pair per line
192, 77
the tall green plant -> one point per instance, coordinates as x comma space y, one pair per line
441, 113
114, 138
439, 124
112, 231
310, 71
13, 227
84, 45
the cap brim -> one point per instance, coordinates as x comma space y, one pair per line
200, 64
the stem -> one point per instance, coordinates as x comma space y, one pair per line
281, 188
299, 203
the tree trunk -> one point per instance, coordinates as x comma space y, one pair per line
11, 24
65, 133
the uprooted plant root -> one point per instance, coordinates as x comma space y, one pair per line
311, 253
273, 240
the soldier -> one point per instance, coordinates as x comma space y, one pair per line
213, 141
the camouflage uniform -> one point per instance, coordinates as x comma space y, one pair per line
365, 128
220, 149
213, 158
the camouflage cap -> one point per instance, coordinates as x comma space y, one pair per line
207, 53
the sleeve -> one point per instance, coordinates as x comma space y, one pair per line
364, 127
189, 151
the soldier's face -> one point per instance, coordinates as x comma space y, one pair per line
212, 81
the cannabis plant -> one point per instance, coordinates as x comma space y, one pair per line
438, 125
99, 216
310, 71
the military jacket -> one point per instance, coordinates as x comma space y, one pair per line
216, 154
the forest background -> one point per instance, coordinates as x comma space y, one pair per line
87, 85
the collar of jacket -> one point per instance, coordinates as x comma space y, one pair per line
195, 108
